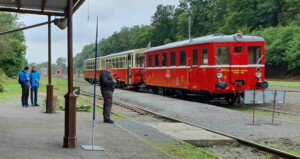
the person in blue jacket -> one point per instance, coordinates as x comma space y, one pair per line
23, 80
35, 78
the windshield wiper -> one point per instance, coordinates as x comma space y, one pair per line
259, 59
218, 60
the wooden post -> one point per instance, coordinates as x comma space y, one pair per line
274, 102
70, 139
253, 106
49, 100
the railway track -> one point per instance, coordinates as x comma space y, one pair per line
248, 143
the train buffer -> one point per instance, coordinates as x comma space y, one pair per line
191, 134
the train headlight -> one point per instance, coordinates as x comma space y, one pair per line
219, 75
258, 75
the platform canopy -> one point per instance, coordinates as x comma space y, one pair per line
42, 7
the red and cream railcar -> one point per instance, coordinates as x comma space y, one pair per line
215, 65
89, 67
128, 67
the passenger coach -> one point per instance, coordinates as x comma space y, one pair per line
211, 66
128, 67
89, 67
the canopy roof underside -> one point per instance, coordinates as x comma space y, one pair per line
48, 7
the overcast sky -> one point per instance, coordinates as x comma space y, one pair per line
113, 14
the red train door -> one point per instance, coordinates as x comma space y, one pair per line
194, 71
129, 69
238, 60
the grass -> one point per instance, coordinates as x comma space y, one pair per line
13, 89
283, 83
183, 150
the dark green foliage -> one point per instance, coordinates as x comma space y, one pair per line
275, 20
12, 47
282, 46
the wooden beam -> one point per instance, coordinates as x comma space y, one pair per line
78, 5
43, 5
31, 11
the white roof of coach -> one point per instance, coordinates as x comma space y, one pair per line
120, 53
92, 59
207, 39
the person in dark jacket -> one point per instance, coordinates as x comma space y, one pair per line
107, 84
24, 81
34, 84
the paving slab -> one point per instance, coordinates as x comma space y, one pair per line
28, 133
191, 134
144, 131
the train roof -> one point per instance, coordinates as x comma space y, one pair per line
92, 59
142, 50
208, 39
120, 53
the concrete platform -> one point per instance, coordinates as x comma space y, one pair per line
28, 133
190, 134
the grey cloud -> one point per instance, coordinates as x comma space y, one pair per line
113, 14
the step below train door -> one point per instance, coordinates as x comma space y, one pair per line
129, 61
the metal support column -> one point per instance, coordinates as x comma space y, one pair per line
69, 140
49, 101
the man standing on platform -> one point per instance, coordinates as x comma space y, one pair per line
107, 84
34, 84
23, 80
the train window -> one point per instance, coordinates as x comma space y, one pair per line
238, 49
98, 64
102, 64
164, 59
117, 63
139, 60
254, 55
204, 56
156, 60
173, 58
149, 61
222, 55
182, 58
195, 56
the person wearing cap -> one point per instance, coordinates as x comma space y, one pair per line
34, 85
23, 80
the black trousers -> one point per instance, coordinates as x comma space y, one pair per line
25, 94
108, 96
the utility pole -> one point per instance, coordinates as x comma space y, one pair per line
189, 12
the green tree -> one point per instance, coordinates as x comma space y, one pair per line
12, 46
162, 23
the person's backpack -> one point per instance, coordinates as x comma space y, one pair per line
19, 79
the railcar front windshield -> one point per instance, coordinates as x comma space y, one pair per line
222, 56
254, 55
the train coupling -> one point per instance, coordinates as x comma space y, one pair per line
221, 85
